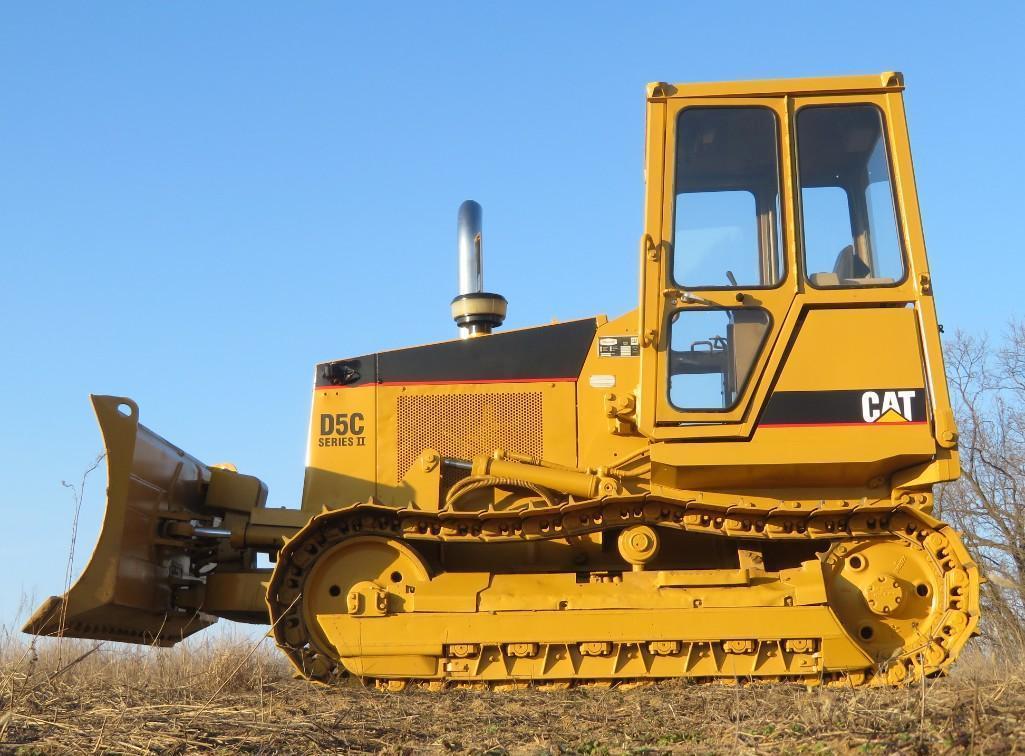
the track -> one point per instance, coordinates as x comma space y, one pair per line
900, 588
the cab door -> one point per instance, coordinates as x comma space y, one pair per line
718, 278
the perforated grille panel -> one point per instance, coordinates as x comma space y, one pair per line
463, 425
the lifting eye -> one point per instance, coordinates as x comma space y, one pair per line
922, 589
396, 577
856, 562
334, 590
866, 632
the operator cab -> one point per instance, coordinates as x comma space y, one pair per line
768, 205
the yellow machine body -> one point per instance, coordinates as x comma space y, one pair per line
734, 480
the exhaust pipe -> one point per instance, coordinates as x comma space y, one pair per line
474, 310
470, 243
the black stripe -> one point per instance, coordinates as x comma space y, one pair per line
794, 407
548, 352
554, 351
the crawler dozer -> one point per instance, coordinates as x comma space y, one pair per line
734, 481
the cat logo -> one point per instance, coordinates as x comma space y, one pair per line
887, 406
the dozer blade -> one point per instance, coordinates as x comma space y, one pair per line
126, 590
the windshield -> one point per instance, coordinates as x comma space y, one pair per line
726, 224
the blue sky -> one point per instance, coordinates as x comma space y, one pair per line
199, 201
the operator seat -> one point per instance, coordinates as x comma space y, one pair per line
848, 265
847, 269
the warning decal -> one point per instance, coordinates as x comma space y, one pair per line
619, 346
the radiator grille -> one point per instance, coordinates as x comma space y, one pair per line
463, 425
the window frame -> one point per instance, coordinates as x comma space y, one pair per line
781, 251
798, 198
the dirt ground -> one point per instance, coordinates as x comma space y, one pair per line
225, 696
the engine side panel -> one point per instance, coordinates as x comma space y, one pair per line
373, 416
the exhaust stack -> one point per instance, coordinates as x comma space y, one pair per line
469, 239
475, 311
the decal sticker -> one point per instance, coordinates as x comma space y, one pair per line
602, 381
889, 406
342, 429
619, 346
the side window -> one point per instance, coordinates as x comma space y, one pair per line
711, 355
726, 222
848, 213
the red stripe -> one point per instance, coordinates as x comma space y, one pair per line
450, 383
839, 425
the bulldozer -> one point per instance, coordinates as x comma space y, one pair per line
734, 481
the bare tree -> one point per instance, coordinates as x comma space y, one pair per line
987, 387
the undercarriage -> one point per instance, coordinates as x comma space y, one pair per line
625, 588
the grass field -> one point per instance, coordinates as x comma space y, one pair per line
230, 694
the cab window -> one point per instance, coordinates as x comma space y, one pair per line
726, 217
711, 353
848, 214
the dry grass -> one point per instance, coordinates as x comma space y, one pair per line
213, 695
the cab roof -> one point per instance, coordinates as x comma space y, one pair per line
888, 81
